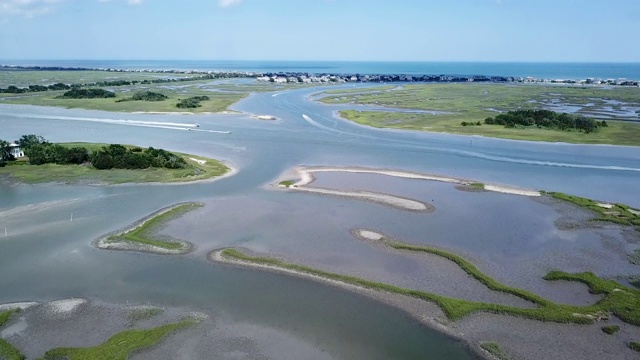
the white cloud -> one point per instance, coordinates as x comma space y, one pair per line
26, 8
227, 3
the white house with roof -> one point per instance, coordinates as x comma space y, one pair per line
15, 150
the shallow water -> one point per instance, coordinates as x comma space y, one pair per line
47, 256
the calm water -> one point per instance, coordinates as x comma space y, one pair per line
538, 70
46, 256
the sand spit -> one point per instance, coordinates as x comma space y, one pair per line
65, 306
305, 175
17, 305
390, 200
114, 240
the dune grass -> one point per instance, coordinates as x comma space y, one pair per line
144, 234
495, 349
120, 345
618, 299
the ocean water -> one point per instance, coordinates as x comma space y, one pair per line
629, 71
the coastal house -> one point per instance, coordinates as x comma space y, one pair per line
15, 150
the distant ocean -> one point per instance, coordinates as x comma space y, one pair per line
630, 71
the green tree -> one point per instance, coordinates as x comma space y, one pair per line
27, 141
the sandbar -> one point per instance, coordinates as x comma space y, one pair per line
306, 177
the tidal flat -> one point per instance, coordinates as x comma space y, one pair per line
444, 108
514, 239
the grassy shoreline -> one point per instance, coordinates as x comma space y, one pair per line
142, 233
443, 108
203, 169
618, 300
120, 345
8, 351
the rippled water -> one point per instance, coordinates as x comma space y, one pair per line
47, 256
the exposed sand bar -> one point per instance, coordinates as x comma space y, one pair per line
306, 177
394, 201
18, 305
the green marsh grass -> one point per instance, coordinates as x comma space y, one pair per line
475, 102
144, 234
610, 329
120, 345
477, 185
618, 299
287, 183
495, 349
8, 351
618, 213
218, 101
5, 315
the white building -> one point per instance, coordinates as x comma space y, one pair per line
14, 149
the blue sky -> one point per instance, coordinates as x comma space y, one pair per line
359, 30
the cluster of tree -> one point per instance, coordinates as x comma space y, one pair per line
119, 157
546, 118
470, 123
192, 102
12, 89
145, 96
48, 153
76, 93
40, 151
5, 153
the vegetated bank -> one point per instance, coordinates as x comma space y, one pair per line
142, 235
118, 346
8, 351
619, 300
102, 163
145, 96
462, 109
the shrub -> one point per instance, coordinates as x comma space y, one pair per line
76, 93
